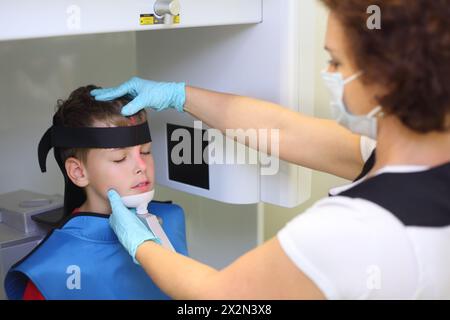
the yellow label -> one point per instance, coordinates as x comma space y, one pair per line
146, 20
150, 19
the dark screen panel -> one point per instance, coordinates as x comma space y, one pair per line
189, 173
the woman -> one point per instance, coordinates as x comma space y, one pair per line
387, 235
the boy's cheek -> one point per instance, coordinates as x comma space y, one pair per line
119, 189
106, 181
151, 175
119, 183
104, 193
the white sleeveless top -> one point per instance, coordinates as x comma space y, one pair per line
352, 247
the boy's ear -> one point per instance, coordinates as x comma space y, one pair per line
76, 172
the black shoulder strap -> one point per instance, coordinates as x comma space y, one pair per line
415, 198
367, 166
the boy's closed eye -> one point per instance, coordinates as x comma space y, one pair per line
123, 155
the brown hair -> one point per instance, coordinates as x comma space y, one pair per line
82, 110
409, 55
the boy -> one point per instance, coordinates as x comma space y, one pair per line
97, 149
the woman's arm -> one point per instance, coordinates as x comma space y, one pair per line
263, 273
314, 143
310, 142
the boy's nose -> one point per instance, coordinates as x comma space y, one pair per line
141, 165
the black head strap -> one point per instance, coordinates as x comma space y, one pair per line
110, 137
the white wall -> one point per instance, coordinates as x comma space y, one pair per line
33, 75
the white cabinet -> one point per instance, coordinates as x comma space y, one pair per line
21, 19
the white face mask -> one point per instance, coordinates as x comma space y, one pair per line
365, 124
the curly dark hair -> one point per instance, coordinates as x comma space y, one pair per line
82, 110
409, 55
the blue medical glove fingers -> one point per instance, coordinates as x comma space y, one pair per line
131, 87
157, 95
115, 201
109, 93
134, 106
147, 93
130, 231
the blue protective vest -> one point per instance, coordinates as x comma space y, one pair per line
83, 259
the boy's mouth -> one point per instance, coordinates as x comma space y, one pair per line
142, 186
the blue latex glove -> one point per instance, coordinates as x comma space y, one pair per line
146, 93
130, 231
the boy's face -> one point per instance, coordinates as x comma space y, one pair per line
127, 170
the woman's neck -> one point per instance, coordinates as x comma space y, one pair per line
398, 145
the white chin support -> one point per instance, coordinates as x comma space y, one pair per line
139, 201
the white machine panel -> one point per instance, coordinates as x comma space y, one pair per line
266, 60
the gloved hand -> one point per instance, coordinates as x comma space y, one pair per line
146, 93
131, 231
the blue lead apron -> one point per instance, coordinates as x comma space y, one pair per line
83, 259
